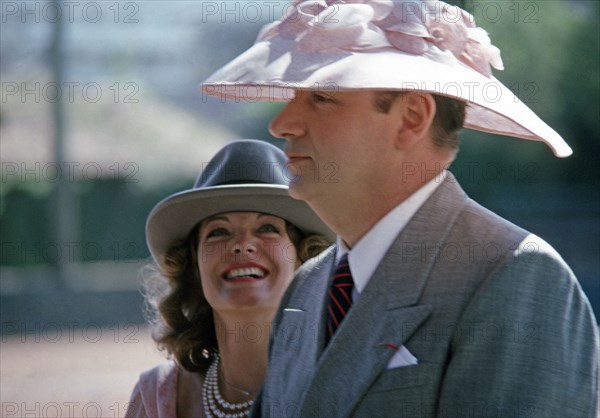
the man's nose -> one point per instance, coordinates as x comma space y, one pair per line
288, 123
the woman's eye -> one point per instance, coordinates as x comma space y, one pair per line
269, 228
217, 232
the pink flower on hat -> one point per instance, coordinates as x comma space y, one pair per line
405, 28
317, 26
454, 29
479, 52
409, 26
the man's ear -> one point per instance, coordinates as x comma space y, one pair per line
416, 111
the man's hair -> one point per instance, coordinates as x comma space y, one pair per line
448, 120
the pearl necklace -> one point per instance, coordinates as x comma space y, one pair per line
214, 404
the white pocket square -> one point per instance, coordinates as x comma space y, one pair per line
402, 358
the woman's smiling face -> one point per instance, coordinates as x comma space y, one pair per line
246, 260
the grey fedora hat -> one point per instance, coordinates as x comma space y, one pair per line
244, 176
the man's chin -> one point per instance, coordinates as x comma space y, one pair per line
301, 189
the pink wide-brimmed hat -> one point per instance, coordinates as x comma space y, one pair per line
427, 46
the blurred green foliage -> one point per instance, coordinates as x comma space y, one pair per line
550, 51
111, 219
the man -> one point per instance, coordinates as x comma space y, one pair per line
428, 304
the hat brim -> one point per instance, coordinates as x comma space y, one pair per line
173, 218
273, 70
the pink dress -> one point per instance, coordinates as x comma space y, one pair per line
155, 394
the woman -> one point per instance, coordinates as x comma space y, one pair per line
224, 253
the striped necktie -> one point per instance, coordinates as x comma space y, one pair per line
339, 298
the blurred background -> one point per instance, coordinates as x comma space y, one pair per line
100, 118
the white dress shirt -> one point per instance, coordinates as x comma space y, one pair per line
368, 252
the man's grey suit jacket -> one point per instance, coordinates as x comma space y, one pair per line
496, 319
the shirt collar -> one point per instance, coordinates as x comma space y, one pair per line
370, 249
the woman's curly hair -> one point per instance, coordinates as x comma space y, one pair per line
181, 318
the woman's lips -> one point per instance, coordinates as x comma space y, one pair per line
245, 272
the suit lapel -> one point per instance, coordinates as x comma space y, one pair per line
388, 311
298, 338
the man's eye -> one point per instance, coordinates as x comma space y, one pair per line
322, 98
269, 228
